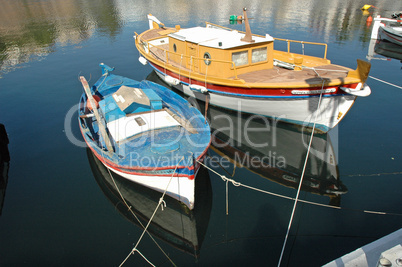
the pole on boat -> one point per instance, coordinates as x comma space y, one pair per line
248, 36
91, 100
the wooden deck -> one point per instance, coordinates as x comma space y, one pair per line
283, 75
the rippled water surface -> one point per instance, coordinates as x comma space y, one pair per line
59, 206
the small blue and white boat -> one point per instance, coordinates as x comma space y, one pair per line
144, 132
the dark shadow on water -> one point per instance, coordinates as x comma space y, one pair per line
178, 226
4, 164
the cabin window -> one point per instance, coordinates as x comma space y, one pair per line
174, 48
207, 56
240, 58
259, 55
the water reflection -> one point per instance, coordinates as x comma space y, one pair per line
30, 30
277, 151
176, 225
4, 164
383, 50
271, 149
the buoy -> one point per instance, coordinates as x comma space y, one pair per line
97, 99
366, 7
369, 21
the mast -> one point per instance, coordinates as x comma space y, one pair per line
248, 37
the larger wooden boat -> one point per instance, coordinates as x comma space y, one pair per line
242, 71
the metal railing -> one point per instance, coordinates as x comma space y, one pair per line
278, 39
302, 43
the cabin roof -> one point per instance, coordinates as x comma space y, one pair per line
216, 38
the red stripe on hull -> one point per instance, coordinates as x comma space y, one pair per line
253, 91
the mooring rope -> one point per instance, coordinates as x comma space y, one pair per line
129, 208
238, 184
394, 85
138, 220
150, 263
150, 220
302, 175
371, 174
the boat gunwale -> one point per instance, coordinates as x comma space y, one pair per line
234, 80
110, 158
282, 91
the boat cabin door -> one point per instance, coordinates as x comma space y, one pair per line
192, 60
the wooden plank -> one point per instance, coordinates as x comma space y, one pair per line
101, 126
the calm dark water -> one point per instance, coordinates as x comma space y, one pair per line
59, 208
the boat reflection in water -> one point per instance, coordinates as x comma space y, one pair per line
272, 149
4, 164
180, 227
378, 49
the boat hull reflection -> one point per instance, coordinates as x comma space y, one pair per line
378, 49
180, 227
272, 149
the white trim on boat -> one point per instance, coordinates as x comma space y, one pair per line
180, 188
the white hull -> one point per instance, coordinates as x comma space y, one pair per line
294, 110
180, 188
382, 30
391, 34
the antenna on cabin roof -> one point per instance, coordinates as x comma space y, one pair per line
248, 36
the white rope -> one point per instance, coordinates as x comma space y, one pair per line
135, 216
150, 220
181, 61
302, 175
150, 263
237, 184
394, 85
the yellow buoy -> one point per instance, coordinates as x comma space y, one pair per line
365, 7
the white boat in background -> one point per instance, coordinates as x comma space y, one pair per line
389, 29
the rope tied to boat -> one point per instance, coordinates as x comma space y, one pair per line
224, 178
394, 85
150, 263
227, 180
140, 223
161, 201
304, 169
